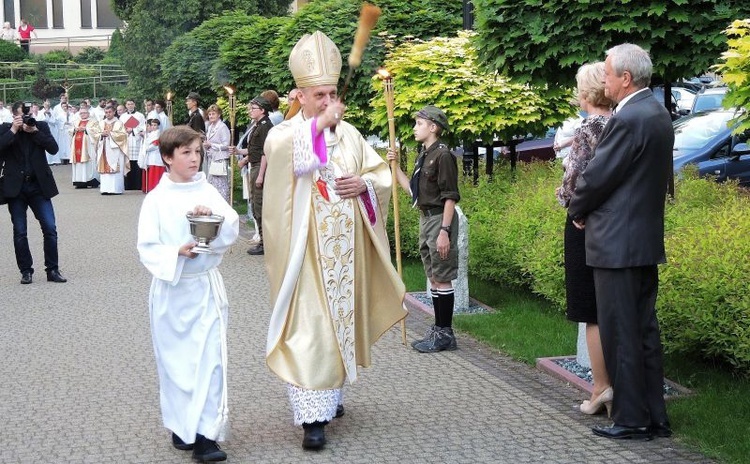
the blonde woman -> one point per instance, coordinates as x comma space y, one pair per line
579, 278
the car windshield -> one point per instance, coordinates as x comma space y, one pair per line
709, 101
696, 131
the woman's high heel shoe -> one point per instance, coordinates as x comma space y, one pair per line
593, 407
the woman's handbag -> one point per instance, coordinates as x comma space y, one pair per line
217, 168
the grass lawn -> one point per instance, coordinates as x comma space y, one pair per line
715, 420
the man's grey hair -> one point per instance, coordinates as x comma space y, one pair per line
635, 60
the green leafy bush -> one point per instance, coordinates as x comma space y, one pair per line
444, 72
516, 237
90, 55
11, 52
57, 56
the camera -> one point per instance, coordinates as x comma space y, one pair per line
27, 118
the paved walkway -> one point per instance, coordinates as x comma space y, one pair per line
79, 385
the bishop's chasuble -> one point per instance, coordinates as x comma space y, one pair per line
333, 288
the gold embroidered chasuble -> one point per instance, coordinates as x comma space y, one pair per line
333, 288
107, 147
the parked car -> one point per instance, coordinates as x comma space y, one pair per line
708, 98
659, 95
682, 97
705, 139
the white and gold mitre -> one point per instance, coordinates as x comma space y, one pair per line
315, 60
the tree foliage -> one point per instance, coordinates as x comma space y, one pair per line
123, 8
401, 19
735, 69
188, 62
243, 58
154, 24
546, 41
479, 105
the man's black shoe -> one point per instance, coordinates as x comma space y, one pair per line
206, 450
179, 444
55, 276
662, 430
620, 432
315, 436
26, 277
339, 410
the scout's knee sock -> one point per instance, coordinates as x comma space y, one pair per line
435, 303
444, 307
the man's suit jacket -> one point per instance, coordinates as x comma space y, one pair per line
13, 148
196, 122
622, 191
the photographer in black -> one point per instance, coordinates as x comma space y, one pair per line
29, 183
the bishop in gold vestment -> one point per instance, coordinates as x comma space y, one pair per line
333, 288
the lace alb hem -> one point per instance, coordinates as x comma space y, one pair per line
311, 406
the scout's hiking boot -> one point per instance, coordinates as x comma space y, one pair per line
440, 340
427, 336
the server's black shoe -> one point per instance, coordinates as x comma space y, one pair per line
179, 444
206, 450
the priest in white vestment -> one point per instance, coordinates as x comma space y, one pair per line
47, 115
187, 300
112, 162
83, 152
333, 288
135, 126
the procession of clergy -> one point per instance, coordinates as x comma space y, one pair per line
110, 146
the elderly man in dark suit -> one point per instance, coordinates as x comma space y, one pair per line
29, 183
620, 199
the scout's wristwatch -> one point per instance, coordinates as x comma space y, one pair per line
446, 228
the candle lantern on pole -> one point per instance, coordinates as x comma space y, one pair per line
232, 116
169, 108
387, 79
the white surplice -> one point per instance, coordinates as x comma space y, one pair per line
53, 123
188, 307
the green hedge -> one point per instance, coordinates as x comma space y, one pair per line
516, 237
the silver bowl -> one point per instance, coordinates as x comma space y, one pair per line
204, 229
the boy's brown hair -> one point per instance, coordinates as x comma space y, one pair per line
174, 138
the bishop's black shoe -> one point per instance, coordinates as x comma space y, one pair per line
26, 277
315, 436
339, 411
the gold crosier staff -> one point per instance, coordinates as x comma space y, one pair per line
389, 104
232, 116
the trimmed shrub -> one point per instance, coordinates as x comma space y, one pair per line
516, 237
